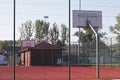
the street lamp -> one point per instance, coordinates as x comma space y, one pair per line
45, 18
45, 29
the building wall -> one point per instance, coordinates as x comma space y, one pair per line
27, 58
22, 59
41, 57
45, 57
36, 58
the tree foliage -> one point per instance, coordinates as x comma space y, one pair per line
26, 30
64, 34
42, 32
41, 29
87, 35
2, 45
54, 34
39, 24
116, 28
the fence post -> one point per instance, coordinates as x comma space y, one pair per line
111, 52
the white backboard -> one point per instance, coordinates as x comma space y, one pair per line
28, 43
80, 18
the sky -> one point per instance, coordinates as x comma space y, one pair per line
58, 12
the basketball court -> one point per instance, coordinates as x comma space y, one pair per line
58, 73
36, 61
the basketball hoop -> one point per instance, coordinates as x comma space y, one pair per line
81, 16
28, 43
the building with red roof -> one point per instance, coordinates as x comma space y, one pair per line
42, 54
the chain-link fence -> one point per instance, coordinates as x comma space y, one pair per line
109, 53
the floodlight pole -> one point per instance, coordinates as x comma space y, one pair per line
45, 18
97, 48
45, 35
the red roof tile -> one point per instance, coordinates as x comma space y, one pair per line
44, 45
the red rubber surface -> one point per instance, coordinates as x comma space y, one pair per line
57, 73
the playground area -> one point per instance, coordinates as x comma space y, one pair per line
53, 40
58, 73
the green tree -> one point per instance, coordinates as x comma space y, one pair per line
2, 45
64, 34
46, 28
41, 30
59, 43
54, 34
116, 29
88, 35
39, 24
26, 30
82, 36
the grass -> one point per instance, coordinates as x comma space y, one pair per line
106, 65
